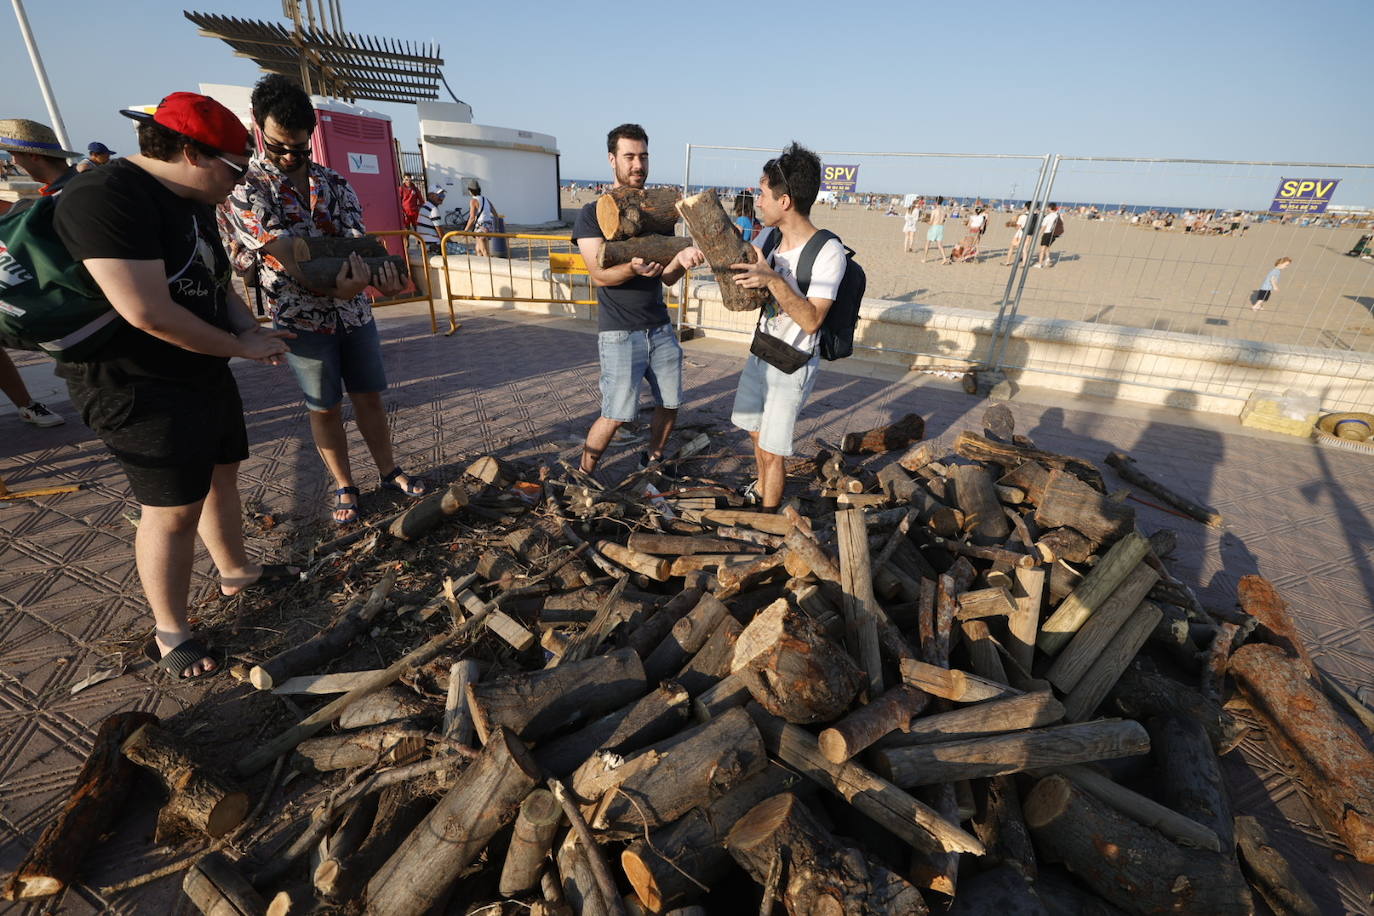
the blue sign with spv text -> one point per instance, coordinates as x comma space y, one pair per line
840, 178
1303, 195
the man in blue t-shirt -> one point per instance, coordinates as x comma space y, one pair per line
635, 340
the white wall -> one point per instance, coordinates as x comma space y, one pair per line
516, 168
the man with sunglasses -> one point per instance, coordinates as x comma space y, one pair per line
335, 345
769, 398
159, 393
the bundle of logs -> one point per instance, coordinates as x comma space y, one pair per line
965, 682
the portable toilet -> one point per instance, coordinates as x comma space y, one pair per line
358, 144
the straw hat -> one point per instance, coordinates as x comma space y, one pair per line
20, 135
1357, 426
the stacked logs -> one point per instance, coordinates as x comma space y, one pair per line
968, 682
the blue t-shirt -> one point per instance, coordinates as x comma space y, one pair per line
746, 227
1271, 279
635, 305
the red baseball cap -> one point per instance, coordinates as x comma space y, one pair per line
200, 118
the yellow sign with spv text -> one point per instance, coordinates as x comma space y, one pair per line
1303, 195
839, 178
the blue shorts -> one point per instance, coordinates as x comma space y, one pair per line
768, 401
326, 364
936, 233
627, 358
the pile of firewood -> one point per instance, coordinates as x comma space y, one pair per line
964, 681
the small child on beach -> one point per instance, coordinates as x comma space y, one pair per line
1270, 285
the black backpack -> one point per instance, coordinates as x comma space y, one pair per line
836, 335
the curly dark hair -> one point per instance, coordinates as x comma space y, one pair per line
165, 144
283, 100
628, 132
797, 173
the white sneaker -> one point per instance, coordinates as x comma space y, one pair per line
39, 415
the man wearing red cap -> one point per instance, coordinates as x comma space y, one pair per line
160, 394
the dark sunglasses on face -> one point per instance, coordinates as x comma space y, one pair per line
278, 149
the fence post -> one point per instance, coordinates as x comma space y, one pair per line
686, 274
1005, 316
1001, 323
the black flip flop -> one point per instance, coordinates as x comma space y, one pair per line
274, 575
182, 657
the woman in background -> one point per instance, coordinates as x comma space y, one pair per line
744, 216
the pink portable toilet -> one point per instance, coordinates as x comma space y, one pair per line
358, 144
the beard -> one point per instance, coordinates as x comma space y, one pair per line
631, 178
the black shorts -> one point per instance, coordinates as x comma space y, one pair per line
166, 434
1259, 295
1047, 239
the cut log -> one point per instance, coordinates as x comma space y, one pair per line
1125, 467
938, 871
323, 684
701, 562
893, 711
341, 843
922, 765
1261, 600
792, 669
977, 499
538, 546
678, 862
1075, 610
606, 619
820, 876
1140, 694
727, 693
1192, 783
653, 567
401, 741
385, 706
766, 522
739, 577
326, 645
90, 808
951, 684
650, 718
991, 717
1024, 623
985, 602
198, 799
1130, 865
1001, 891
693, 768
1065, 544
432, 857
712, 662
337, 246
654, 718
881, 801
1097, 632
999, 824
1330, 760
685, 639
399, 810
672, 545
458, 724
860, 604
645, 635
720, 240
1070, 502
535, 827
494, 471
653, 249
984, 652
429, 513
980, 448
624, 213
1269, 871
537, 704
937, 632
322, 273
1099, 679
217, 888
898, 434
1147, 811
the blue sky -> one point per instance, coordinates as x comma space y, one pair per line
1256, 80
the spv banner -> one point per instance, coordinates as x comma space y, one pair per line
843, 178
1303, 195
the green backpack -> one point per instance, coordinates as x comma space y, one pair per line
48, 301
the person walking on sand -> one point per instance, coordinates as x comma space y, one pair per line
936, 232
1051, 229
481, 218
1025, 229
1270, 285
909, 224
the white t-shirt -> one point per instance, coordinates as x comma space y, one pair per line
427, 226
1021, 222
1051, 218
826, 274
977, 220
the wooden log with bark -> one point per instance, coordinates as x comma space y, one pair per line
897, 434
999, 824
432, 857
217, 888
1140, 694
321, 271
1023, 624
685, 638
647, 633
712, 662
654, 249
327, 645
1069, 502
1125, 467
387, 705
429, 513
819, 875
397, 742
1096, 633
976, 498
91, 805
860, 604
1065, 544
1130, 865
531, 841
1182, 830
536, 704
399, 811
693, 768
1192, 783
1269, 871
1096, 587
891, 712
1330, 760
990, 717
1098, 680
327, 861
1010, 455
625, 212
792, 668
1057, 745
1000, 891
652, 717
720, 240
199, 800
951, 683
675, 545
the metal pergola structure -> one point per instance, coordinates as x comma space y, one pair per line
329, 61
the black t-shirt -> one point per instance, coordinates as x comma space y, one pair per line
120, 211
635, 305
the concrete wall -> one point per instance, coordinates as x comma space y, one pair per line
1131, 364
517, 168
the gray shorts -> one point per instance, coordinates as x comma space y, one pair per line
628, 358
768, 401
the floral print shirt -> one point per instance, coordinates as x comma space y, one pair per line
264, 207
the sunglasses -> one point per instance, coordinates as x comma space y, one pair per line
278, 149
777, 178
238, 170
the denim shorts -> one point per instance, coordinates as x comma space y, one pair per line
768, 401
326, 364
627, 358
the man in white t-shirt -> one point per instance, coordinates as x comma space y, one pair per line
427, 226
769, 399
1050, 229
